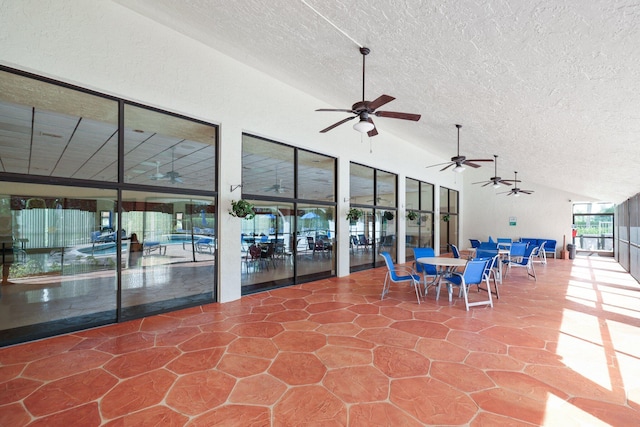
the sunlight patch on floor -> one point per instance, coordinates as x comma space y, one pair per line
559, 412
579, 335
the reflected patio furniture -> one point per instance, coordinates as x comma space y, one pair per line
399, 274
267, 251
205, 245
353, 243
152, 246
253, 258
363, 242
322, 245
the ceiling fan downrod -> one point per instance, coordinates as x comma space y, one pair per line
364, 51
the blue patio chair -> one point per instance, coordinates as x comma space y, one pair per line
526, 261
540, 255
399, 274
427, 270
473, 275
487, 250
504, 242
490, 273
475, 243
456, 252
516, 253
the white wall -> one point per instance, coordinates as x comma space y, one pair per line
546, 213
102, 46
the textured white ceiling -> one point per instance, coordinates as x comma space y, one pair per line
552, 87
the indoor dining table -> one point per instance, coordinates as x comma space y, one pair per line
445, 265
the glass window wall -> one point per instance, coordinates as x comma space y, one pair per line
291, 238
374, 195
419, 224
83, 243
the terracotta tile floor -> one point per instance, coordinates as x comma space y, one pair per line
562, 351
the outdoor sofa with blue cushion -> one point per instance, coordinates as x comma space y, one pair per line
549, 244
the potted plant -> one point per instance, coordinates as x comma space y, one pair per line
354, 214
445, 218
412, 215
242, 209
388, 215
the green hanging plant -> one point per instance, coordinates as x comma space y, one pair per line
242, 209
354, 214
445, 218
388, 215
412, 215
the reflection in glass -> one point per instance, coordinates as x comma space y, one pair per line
386, 184
165, 150
362, 237
419, 230
361, 184
386, 233
60, 261
316, 176
267, 168
315, 240
174, 260
56, 131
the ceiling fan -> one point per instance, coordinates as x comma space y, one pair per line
515, 190
172, 176
460, 161
496, 180
277, 187
365, 109
157, 176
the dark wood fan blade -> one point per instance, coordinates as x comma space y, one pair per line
337, 124
447, 167
508, 181
482, 182
379, 102
396, 115
479, 160
504, 182
374, 131
526, 191
335, 109
438, 164
473, 165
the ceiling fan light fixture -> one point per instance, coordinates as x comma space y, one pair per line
363, 126
496, 185
459, 168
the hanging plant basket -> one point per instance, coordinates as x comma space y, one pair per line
445, 218
354, 214
242, 209
388, 215
412, 215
